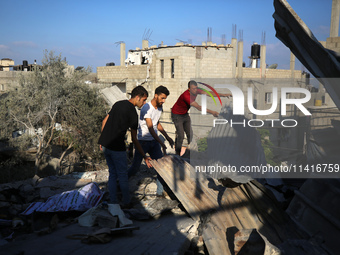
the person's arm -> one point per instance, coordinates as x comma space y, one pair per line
161, 129
213, 93
104, 121
149, 124
198, 107
225, 95
139, 147
103, 125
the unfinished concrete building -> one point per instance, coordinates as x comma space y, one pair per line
6, 77
174, 66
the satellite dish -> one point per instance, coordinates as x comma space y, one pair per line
273, 66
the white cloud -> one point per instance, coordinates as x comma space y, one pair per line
28, 44
82, 52
4, 51
3, 47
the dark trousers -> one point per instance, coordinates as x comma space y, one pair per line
182, 124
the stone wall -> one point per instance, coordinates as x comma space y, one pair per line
9, 80
119, 73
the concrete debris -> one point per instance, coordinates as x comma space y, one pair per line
179, 230
104, 214
112, 95
158, 206
115, 210
250, 241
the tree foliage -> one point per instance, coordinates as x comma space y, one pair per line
50, 95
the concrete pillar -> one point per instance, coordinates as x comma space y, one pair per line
145, 44
122, 54
240, 59
263, 64
233, 59
198, 68
292, 64
334, 31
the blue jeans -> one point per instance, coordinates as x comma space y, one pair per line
117, 163
154, 149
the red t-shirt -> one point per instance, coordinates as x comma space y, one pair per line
182, 105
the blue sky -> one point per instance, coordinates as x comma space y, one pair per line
85, 31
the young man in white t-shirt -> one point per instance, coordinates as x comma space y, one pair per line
147, 132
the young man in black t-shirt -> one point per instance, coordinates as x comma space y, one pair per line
122, 116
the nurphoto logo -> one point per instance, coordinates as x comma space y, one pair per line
238, 105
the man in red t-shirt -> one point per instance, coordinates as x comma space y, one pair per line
180, 116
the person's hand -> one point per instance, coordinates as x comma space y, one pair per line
147, 161
100, 147
215, 114
171, 142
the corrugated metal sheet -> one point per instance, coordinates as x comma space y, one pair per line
247, 206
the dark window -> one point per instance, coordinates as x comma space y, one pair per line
269, 97
162, 68
172, 68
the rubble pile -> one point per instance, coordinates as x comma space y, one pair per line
26, 208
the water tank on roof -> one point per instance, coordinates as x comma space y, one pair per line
255, 50
110, 64
25, 63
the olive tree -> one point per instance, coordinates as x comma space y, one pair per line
55, 94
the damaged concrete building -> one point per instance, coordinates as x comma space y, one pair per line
233, 214
211, 63
238, 217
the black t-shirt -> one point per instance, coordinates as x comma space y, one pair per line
122, 116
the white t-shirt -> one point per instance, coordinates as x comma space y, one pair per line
148, 111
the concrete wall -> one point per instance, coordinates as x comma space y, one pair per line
333, 43
6, 63
210, 64
255, 73
322, 117
9, 80
190, 62
118, 73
